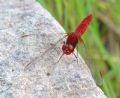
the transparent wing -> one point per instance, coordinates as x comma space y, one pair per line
45, 52
87, 56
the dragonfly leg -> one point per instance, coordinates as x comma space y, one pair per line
76, 56
60, 58
77, 50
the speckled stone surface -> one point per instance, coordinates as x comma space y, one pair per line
26, 31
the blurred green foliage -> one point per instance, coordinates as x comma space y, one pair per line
102, 37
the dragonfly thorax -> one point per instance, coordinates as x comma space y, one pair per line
70, 44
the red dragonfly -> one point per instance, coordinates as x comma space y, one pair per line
73, 38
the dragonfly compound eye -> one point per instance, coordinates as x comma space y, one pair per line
67, 49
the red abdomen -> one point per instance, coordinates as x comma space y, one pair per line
83, 25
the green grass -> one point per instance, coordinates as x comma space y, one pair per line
102, 37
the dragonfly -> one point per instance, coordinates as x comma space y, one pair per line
72, 40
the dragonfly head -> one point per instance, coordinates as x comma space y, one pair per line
67, 49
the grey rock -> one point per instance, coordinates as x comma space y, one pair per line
26, 31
